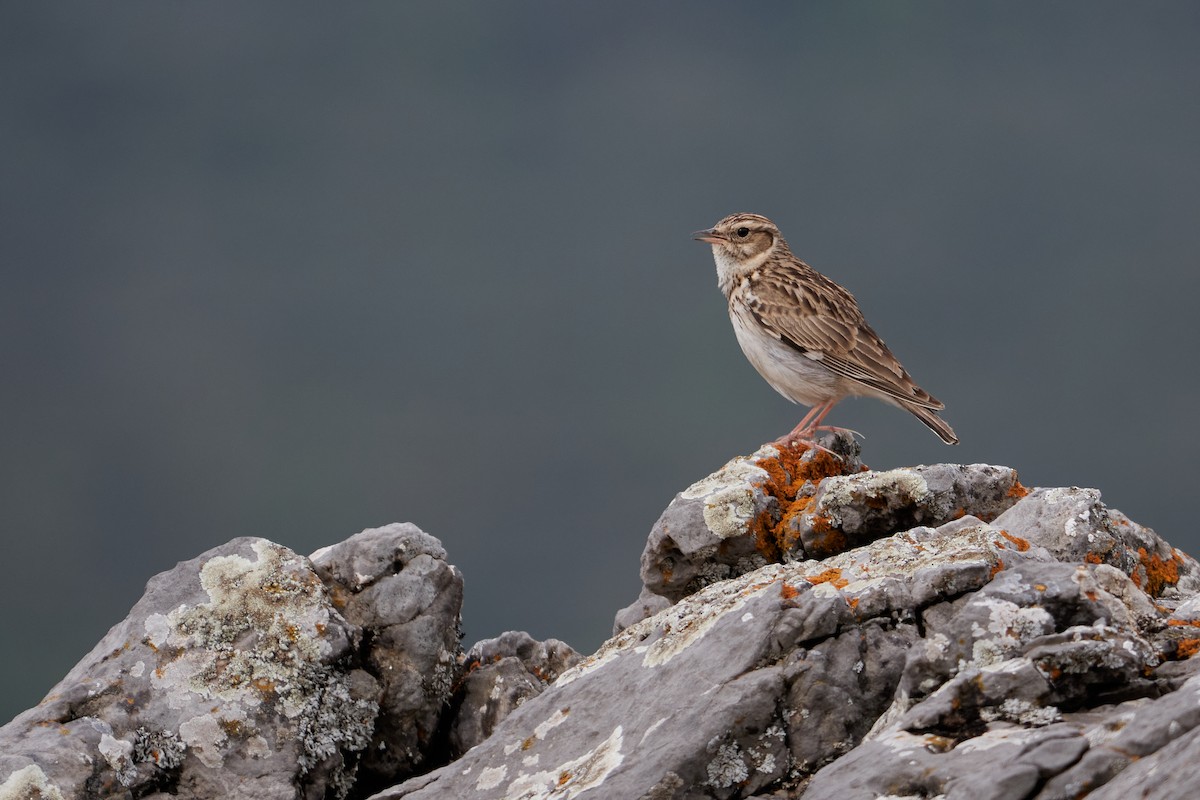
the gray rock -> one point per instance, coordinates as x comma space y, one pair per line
1005, 762
1075, 527
850, 510
498, 676
735, 520
926, 652
394, 583
782, 504
647, 605
698, 700
956, 659
1149, 747
237, 676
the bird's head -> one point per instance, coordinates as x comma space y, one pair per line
741, 243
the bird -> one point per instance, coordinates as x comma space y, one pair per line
804, 333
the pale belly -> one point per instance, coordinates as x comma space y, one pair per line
795, 376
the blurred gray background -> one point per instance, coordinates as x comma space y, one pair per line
292, 271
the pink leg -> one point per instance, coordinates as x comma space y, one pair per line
808, 426
817, 426
809, 419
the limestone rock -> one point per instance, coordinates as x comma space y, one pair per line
806, 629
956, 658
735, 520
394, 582
791, 503
237, 675
697, 696
498, 676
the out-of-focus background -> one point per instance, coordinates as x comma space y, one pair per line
291, 271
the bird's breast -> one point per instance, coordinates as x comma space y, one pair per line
799, 378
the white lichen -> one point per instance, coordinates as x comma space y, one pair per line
730, 495
1021, 712
118, 754
1008, 626
573, 777
28, 782
490, 777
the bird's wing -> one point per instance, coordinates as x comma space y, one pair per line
822, 320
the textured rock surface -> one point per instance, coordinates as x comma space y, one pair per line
784, 503
734, 521
806, 628
499, 675
395, 584
237, 675
1037, 654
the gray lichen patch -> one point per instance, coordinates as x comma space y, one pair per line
258, 639
161, 748
259, 648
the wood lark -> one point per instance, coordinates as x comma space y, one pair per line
805, 334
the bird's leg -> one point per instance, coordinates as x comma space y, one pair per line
803, 432
814, 415
817, 426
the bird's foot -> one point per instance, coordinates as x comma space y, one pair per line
805, 438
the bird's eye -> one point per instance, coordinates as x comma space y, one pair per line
743, 232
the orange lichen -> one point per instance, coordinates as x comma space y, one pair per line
264, 685
959, 513
853, 602
833, 576
1160, 572
787, 592
563, 777
1017, 490
1182, 622
338, 596
776, 531
1093, 558
1022, 544
831, 539
1186, 648
996, 568
788, 530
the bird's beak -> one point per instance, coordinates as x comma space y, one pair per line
708, 235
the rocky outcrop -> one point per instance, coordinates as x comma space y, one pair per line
253, 672
807, 628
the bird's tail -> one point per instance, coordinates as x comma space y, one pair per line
934, 422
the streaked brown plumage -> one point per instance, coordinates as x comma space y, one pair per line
803, 333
